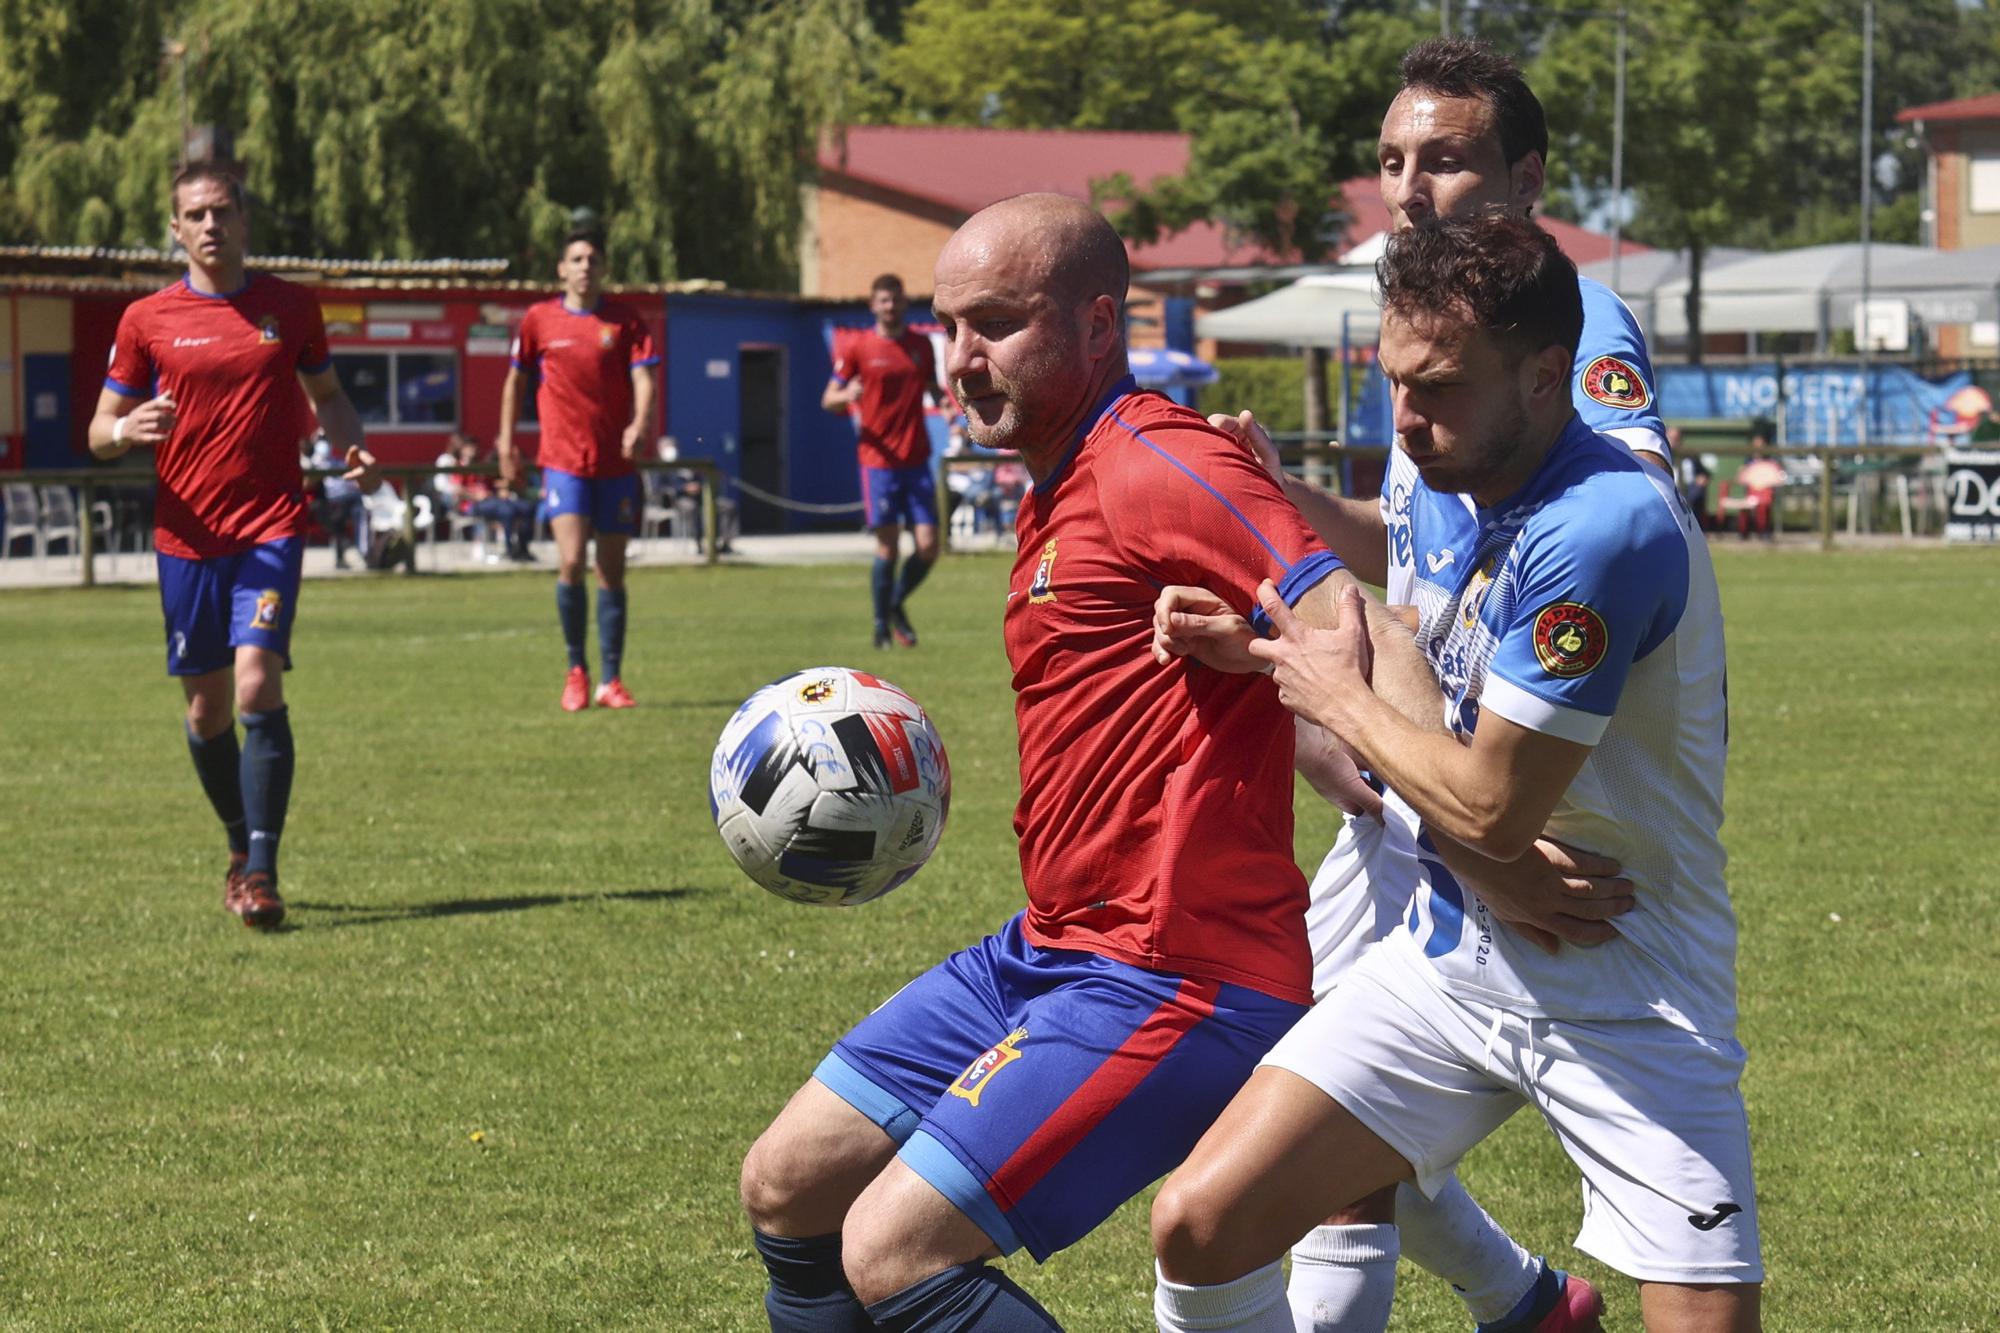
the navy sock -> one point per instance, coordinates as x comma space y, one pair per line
808, 1291
569, 610
611, 629
218, 762
882, 583
267, 783
970, 1296
914, 570
1534, 1307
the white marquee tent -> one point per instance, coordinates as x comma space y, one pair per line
1787, 291
1306, 314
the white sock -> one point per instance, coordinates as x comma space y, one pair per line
1253, 1303
1344, 1278
1453, 1237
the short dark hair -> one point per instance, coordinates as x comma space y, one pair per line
1509, 274
1465, 67
885, 282
190, 172
586, 231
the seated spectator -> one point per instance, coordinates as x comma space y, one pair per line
508, 516
685, 486
1756, 484
339, 508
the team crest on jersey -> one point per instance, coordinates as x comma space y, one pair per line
268, 329
606, 336
1615, 384
1570, 639
265, 614
1043, 588
1475, 592
979, 1075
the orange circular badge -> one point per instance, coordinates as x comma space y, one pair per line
1615, 384
1570, 639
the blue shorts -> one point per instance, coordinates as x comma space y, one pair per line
1039, 1089
899, 495
610, 503
213, 605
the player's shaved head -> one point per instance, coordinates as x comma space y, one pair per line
1072, 249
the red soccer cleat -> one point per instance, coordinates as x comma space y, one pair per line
1578, 1310
899, 625
576, 690
613, 694
255, 898
232, 881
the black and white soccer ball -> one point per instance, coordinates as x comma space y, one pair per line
830, 787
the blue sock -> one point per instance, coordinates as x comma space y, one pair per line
267, 783
882, 583
218, 762
569, 610
970, 1296
1533, 1307
611, 629
914, 570
808, 1291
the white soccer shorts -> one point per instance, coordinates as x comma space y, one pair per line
1650, 1113
1358, 895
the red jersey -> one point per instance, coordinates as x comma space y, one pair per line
1156, 802
584, 361
229, 471
895, 374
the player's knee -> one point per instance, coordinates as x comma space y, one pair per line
1191, 1234
208, 713
881, 1255
768, 1191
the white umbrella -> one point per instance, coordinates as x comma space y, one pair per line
1309, 313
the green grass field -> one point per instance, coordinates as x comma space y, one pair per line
500, 1069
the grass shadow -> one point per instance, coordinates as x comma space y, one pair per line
349, 914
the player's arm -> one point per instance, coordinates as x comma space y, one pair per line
840, 395
1494, 795
1351, 529
342, 424
505, 454
642, 409
125, 421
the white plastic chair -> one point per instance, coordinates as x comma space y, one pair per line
24, 520
59, 521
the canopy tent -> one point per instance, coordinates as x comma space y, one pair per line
1788, 291
1162, 368
1939, 286
1306, 314
1641, 274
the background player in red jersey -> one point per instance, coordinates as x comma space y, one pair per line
1013, 1096
593, 360
206, 373
882, 375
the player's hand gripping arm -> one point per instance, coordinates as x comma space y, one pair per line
122, 423
343, 426
1351, 529
1493, 795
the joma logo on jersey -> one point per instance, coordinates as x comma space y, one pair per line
979, 1075
1570, 639
1043, 588
265, 614
267, 331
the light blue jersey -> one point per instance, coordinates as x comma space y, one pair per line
1584, 607
1612, 380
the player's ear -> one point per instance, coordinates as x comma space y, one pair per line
1547, 373
1101, 331
1528, 177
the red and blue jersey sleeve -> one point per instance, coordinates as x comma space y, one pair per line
639, 341
314, 354
1195, 508
132, 372
527, 352
844, 364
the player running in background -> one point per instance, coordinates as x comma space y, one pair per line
1163, 946
593, 361
1570, 615
882, 375
206, 373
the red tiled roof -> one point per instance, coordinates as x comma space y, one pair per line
963, 169
1965, 108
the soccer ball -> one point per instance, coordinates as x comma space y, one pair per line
830, 787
